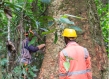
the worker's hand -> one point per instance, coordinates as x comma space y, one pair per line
41, 46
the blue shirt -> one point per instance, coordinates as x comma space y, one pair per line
31, 48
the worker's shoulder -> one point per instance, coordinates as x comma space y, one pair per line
25, 40
83, 47
64, 49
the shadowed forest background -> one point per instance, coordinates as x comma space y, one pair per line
90, 18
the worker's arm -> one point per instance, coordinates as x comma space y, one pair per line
34, 49
61, 61
41, 46
88, 65
62, 70
87, 59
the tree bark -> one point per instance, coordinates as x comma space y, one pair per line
91, 38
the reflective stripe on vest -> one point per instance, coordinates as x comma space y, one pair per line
75, 73
86, 53
65, 54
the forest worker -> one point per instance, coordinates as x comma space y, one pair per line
27, 50
80, 65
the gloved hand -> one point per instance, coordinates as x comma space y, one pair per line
41, 46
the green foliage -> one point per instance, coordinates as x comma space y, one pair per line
47, 32
68, 58
18, 71
32, 41
67, 62
63, 20
66, 65
30, 1
104, 20
31, 18
56, 37
66, 20
76, 28
73, 16
33, 15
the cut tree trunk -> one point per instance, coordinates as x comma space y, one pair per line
91, 38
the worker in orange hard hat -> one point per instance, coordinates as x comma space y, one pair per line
76, 55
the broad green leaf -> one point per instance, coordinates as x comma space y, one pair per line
46, 1
47, 32
32, 74
32, 41
64, 16
76, 28
49, 18
56, 37
66, 65
50, 23
24, 71
66, 20
44, 29
74, 16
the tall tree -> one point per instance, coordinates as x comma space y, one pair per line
91, 38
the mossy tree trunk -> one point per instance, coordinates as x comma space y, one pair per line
91, 38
